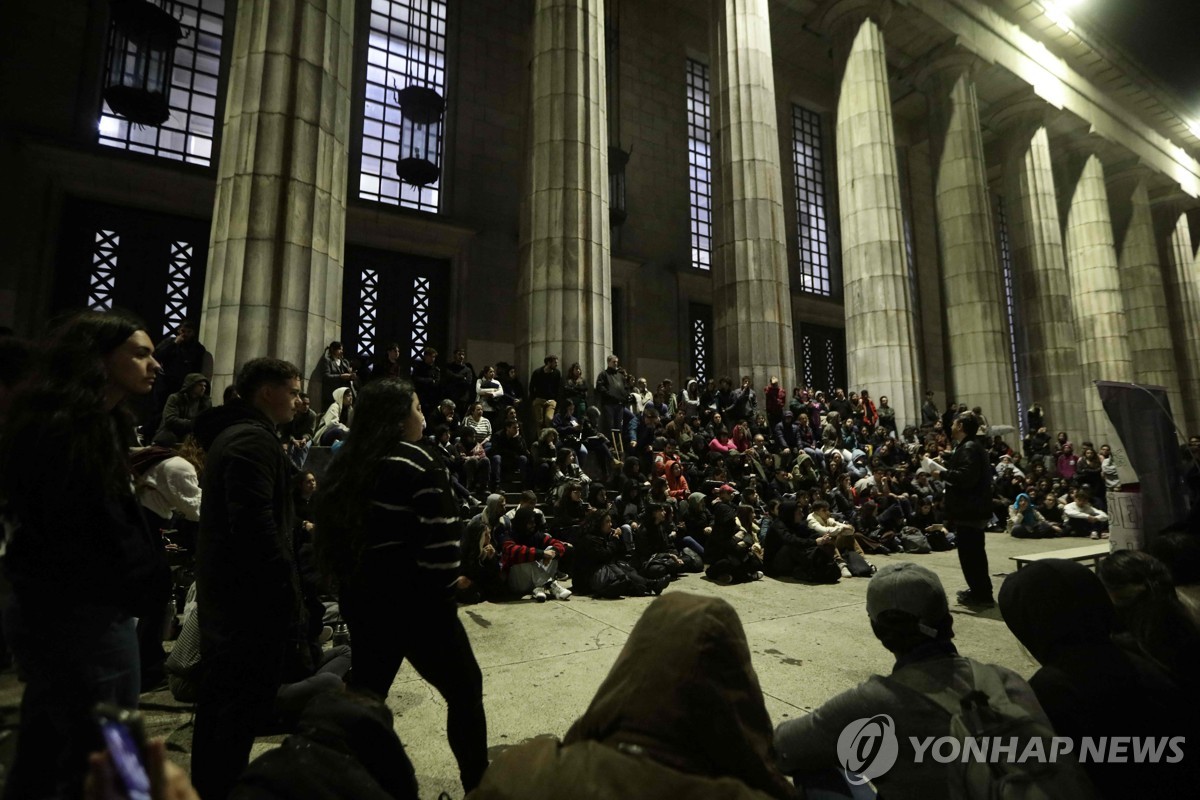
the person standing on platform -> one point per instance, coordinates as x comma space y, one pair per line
545, 388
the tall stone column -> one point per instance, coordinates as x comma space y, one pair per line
981, 372
752, 302
1142, 283
274, 282
564, 291
1046, 339
1183, 300
1099, 307
881, 348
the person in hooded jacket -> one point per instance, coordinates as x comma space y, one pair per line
182, 408
792, 550
253, 625
681, 714
1090, 686
530, 559
602, 567
335, 424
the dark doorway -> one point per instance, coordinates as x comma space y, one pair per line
394, 297
148, 263
822, 358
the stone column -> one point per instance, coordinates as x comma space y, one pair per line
1183, 300
564, 291
1046, 339
1099, 307
881, 349
1142, 283
274, 282
981, 372
752, 302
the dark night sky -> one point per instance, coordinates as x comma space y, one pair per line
1164, 35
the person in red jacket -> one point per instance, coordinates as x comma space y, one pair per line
775, 399
529, 559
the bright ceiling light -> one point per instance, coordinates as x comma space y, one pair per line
1056, 11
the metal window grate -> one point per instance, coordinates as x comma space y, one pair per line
179, 275
811, 221
420, 316
701, 340
823, 358
1010, 307
104, 271
406, 46
699, 117
188, 134
368, 312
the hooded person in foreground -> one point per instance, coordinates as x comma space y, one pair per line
680, 714
1091, 687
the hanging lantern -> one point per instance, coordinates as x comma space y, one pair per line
141, 52
617, 159
421, 111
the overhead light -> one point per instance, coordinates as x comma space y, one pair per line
1194, 127
1056, 11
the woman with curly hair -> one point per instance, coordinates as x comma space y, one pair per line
388, 532
83, 570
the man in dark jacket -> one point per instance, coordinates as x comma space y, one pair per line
545, 386
968, 505
180, 355
613, 394
181, 410
246, 578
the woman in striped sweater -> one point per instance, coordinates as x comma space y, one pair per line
389, 533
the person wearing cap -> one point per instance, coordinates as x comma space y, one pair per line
909, 615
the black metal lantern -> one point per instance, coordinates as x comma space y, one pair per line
421, 111
617, 159
141, 54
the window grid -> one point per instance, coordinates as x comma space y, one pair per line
1010, 307
104, 271
368, 312
811, 222
699, 117
406, 46
822, 358
179, 273
187, 135
420, 316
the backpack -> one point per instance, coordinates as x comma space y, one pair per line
914, 541
858, 566
988, 712
938, 541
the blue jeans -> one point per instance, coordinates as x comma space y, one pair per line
72, 659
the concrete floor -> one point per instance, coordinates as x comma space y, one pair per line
808, 643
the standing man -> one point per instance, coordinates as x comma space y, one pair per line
929, 412
180, 355
459, 385
613, 394
545, 386
427, 377
968, 505
246, 580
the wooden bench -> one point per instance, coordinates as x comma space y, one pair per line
1092, 553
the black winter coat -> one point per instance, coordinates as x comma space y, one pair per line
968, 484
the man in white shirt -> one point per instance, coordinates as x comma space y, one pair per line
1084, 519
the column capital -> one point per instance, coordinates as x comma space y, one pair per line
1124, 175
1019, 112
941, 67
840, 19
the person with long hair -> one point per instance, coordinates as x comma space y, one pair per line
388, 532
81, 559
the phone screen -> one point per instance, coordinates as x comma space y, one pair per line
127, 759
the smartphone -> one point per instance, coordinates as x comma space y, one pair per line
124, 734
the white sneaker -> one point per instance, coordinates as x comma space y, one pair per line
756, 576
1095, 535
539, 595
846, 572
326, 635
559, 591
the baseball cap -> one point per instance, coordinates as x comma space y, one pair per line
725, 487
910, 588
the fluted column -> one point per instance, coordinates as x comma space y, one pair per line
1099, 307
1183, 299
274, 281
980, 365
1142, 284
565, 286
881, 350
752, 304
1046, 339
